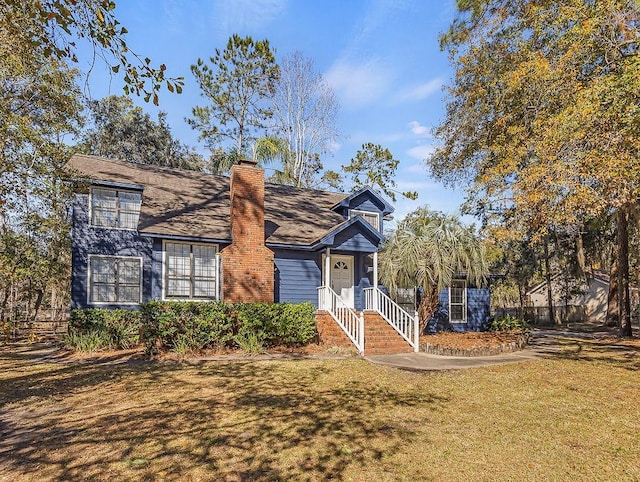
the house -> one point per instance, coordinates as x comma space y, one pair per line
576, 300
461, 306
142, 233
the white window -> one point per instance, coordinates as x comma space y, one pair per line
372, 218
190, 271
115, 209
458, 301
115, 279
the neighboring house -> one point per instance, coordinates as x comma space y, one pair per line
587, 302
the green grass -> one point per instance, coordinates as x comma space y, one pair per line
573, 417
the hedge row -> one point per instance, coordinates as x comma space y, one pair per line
185, 326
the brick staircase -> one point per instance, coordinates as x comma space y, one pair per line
380, 338
330, 333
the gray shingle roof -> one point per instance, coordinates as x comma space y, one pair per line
188, 203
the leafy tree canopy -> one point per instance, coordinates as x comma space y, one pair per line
374, 166
52, 28
122, 131
429, 249
237, 83
542, 117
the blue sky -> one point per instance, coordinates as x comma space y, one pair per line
381, 58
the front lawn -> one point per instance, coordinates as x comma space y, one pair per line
573, 417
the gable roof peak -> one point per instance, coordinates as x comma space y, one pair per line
386, 207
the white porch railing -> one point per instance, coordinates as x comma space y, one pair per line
406, 325
346, 317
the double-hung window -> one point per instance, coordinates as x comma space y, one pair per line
112, 208
458, 301
190, 271
114, 279
371, 217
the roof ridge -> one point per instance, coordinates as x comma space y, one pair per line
151, 167
192, 173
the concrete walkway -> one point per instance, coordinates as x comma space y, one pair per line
543, 344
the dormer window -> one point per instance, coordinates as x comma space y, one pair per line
111, 208
371, 217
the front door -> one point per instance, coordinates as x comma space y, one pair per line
342, 277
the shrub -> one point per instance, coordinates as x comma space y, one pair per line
100, 328
249, 343
90, 340
508, 322
184, 326
277, 323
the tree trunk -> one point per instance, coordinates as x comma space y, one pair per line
427, 307
582, 264
612, 318
547, 268
624, 308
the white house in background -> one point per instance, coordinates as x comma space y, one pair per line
593, 297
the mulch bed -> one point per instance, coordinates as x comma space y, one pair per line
473, 343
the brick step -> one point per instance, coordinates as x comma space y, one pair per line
384, 341
385, 351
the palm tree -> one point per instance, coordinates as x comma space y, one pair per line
428, 250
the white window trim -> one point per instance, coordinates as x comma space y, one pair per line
111, 303
218, 259
464, 302
362, 213
117, 190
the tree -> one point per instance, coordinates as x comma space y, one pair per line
53, 27
541, 120
428, 249
122, 131
305, 111
38, 107
238, 82
375, 166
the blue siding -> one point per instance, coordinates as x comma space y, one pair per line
88, 240
351, 239
478, 312
362, 281
364, 203
298, 276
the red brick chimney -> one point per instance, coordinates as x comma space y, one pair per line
247, 264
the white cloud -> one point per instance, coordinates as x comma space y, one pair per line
421, 151
240, 15
358, 84
419, 92
419, 130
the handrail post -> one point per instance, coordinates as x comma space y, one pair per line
416, 333
361, 332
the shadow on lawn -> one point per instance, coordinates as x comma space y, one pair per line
224, 421
620, 353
